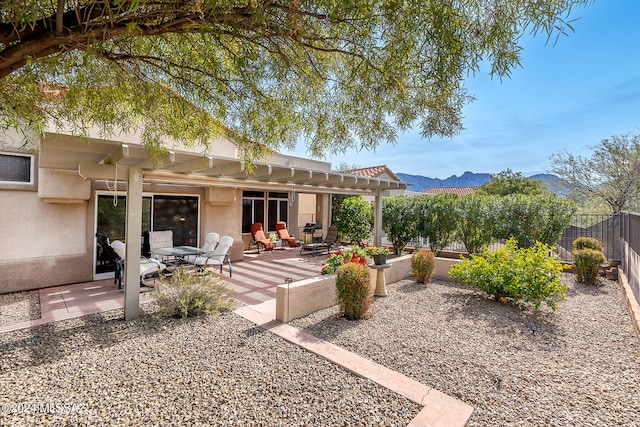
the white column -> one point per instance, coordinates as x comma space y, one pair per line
377, 219
133, 231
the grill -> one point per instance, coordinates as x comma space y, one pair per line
309, 230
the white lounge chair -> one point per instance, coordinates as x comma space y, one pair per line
148, 266
218, 256
210, 243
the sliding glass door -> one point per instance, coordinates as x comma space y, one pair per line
159, 212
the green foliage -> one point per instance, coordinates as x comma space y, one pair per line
353, 285
356, 220
507, 182
371, 250
399, 221
332, 74
587, 263
610, 175
528, 274
336, 259
529, 219
423, 262
191, 294
436, 219
587, 243
336, 207
476, 222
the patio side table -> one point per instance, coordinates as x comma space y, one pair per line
381, 281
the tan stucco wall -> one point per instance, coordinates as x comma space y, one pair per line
225, 218
31, 228
41, 244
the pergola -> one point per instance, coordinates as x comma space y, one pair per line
101, 159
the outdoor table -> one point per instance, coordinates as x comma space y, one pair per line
177, 252
381, 282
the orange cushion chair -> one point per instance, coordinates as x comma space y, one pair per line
283, 234
259, 237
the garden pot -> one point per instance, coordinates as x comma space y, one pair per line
380, 259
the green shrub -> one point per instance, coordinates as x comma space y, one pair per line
587, 243
356, 220
398, 221
436, 219
528, 274
191, 294
476, 222
531, 219
423, 262
587, 262
352, 288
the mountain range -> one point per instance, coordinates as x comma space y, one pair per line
467, 179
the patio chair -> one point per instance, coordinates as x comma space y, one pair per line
218, 256
259, 237
148, 267
283, 234
332, 236
162, 239
210, 243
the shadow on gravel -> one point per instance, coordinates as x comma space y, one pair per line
53, 341
331, 327
515, 320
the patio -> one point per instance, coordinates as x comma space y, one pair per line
254, 281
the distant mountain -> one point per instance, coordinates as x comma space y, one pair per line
467, 179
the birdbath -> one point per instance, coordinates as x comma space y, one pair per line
381, 283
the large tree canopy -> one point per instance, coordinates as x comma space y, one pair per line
611, 174
507, 182
336, 73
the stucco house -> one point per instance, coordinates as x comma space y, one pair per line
58, 191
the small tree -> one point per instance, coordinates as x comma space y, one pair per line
533, 218
398, 221
436, 219
356, 220
507, 182
476, 222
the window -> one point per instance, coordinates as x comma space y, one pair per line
278, 209
179, 214
252, 209
16, 168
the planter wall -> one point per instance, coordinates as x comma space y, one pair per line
299, 299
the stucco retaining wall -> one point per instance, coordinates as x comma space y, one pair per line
304, 297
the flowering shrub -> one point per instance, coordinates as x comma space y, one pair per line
338, 258
509, 273
370, 250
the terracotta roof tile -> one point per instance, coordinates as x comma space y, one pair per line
375, 172
460, 191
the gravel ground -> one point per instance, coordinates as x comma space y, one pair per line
577, 366
19, 307
99, 370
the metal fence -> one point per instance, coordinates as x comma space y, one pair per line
630, 249
604, 228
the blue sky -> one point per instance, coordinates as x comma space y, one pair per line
567, 96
